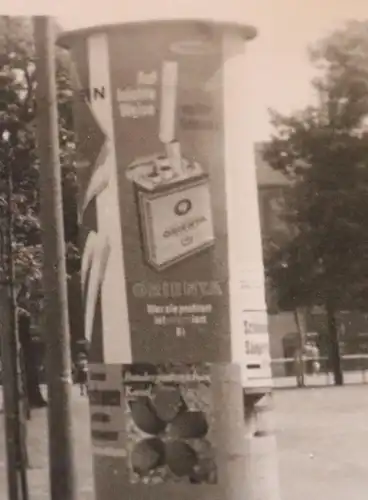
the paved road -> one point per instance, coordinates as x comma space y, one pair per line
323, 441
322, 438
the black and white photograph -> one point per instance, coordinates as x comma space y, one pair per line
184, 250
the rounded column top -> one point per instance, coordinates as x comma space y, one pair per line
247, 31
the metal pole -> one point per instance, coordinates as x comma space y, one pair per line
8, 382
299, 315
15, 347
61, 449
15, 433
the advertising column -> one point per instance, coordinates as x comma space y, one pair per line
173, 344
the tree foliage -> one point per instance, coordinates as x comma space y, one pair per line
18, 153
323, 152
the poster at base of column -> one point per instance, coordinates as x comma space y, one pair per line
169, 424
169, 139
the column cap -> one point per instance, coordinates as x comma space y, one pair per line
66, 38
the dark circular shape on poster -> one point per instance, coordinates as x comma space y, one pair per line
167, 402
183, 207
180, 458
144, 416
189, 425
147, 455
204, 473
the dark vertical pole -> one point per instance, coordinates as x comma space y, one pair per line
299, 315
334, 346
15, 347
15, 433
9, 379
61, 449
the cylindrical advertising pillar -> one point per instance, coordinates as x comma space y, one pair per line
172, 270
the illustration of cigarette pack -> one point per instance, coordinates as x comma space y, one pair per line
172, 192
174, 208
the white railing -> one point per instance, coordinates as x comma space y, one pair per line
285, 372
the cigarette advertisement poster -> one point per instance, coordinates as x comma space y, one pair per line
167, 109
166, 100
169, 424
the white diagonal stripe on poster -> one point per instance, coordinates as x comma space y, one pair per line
99, 181
100, 258
115, 321
87, 258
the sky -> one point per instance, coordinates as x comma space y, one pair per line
280, 72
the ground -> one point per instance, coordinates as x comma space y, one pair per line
322, 444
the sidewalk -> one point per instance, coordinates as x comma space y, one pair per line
37, 446
322, 438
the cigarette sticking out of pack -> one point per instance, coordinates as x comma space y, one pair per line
168, 166
173, 152
169, 87
169, 91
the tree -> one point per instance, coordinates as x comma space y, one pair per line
323, 150
19, 157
